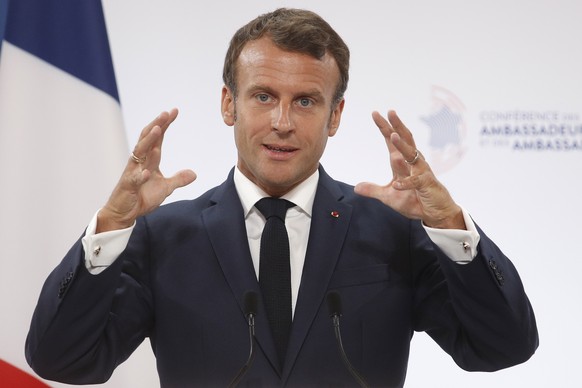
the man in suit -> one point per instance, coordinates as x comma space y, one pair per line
404, 257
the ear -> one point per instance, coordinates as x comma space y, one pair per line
335, 118
227, 106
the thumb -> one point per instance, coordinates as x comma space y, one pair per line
181, 178
368, 189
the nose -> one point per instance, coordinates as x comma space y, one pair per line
282, 121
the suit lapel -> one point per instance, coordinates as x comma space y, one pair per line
225, 224
329, 225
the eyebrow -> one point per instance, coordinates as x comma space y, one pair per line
258, 87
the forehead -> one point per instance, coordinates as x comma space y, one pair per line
261, 61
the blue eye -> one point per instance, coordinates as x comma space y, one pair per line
305, 102
263, 97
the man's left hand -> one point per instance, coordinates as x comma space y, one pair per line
414, 190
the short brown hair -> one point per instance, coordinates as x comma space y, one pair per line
292, 30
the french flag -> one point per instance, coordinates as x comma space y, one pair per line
62, 149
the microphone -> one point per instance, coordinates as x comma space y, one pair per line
250, 309
334, 304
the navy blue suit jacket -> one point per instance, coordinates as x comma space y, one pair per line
181, 282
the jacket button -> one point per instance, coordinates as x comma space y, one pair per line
65, 284
497, 272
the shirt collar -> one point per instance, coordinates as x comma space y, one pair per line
302, 195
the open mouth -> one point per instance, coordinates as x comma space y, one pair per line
279, 149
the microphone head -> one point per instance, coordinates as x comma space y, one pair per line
250, 303
334, 303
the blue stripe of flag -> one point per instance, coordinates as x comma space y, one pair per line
3, 14
69, 34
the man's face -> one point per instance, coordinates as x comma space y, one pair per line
283, 114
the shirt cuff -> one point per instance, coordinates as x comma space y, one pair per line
459, 245
102, 249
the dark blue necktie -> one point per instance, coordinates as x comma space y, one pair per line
275, 271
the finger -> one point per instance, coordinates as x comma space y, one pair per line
150, 134
172, 114
156, 147
143, 149
382, 124
132, 178
398, 126
408, 151
152, 142
413, 182
163, 120
159, 120
399, 168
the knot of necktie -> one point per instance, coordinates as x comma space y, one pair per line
273, 207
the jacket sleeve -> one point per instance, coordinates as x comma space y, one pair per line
85, 325
478, 312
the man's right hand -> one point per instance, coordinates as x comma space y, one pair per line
142, 186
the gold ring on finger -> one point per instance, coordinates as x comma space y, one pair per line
415, 159
138, 160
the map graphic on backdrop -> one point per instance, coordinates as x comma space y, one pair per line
447, 129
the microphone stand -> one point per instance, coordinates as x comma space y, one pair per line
250, 299
334, 304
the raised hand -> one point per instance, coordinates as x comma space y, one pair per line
414, 190
142, 186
